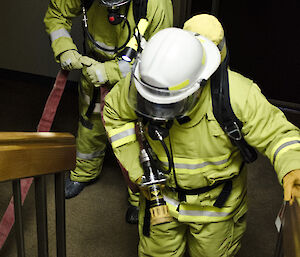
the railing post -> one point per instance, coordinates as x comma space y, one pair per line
41, 215
18, 217
60, 214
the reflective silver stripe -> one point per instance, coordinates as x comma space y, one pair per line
283, 146
221, 44
87, 100
171, 201
110, 49
89, 156
194, 212
204, 213
59, 33
124, 67
196, 166
100, 76
123, 134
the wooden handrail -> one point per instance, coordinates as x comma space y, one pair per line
34, 154
29, 154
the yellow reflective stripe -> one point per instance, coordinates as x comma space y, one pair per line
284, 145
204, 56
180, 86
122, 135
186, 82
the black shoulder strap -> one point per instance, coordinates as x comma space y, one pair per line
87, 4
139, 10
224, 114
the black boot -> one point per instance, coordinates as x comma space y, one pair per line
132, 214
73, 188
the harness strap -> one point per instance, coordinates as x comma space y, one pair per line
221, 199
224, 113
146, 225
139, 10
219, 203
44, 125
96, 92
90, 110
86, 123
182, 193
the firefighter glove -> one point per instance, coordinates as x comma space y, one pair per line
95, 73
70, 60
291, 186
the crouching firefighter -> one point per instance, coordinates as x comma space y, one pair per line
171, 91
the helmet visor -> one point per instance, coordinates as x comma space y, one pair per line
160, 111
114, 3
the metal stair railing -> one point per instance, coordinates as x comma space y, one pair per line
32, 155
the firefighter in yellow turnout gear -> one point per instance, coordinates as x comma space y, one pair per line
110, 25
170, 87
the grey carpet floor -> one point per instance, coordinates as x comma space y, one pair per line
96, 224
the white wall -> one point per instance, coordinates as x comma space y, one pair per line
24, 44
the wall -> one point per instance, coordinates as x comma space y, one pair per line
261, 36
24, 44
263, 43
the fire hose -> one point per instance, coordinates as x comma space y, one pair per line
44, 125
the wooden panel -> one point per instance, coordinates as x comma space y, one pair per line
27, 154
291, 231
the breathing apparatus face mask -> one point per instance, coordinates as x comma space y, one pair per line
114, 3
159, 111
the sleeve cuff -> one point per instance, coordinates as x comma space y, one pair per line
61, 45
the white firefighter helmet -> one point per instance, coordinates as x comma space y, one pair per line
168, 73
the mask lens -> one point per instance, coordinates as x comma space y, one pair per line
160, 112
